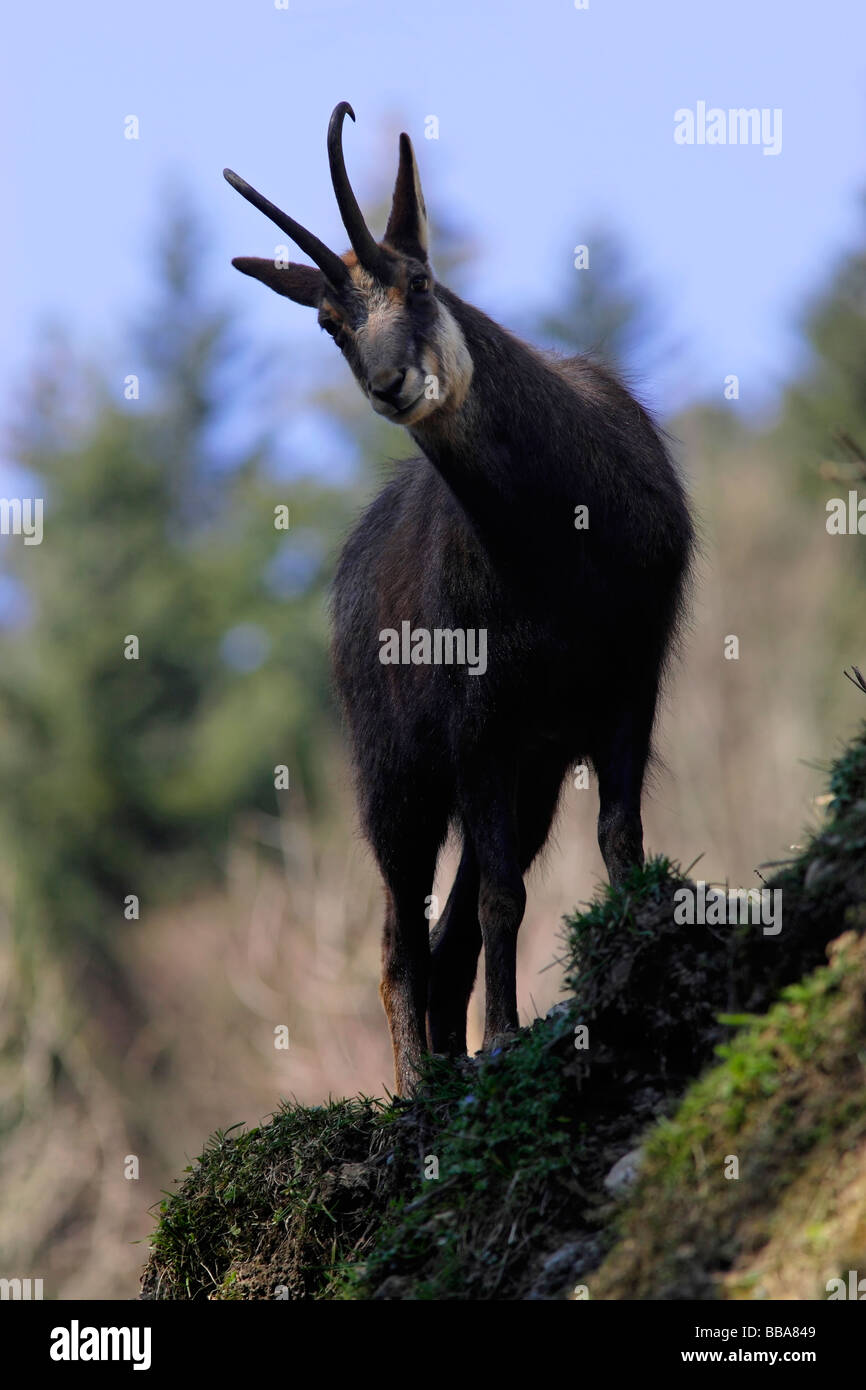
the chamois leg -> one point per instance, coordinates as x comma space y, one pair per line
456, 939
490, 819
538, 792
620, 766
405, 969
510, 844
406, 845
455, 944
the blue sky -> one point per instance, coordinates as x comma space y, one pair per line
551, 121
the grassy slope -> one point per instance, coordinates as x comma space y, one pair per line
787, 1105
339, 1201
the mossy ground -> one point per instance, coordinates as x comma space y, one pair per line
490, 1183
756, 1187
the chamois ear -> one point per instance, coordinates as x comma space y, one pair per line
302, 283
407, 225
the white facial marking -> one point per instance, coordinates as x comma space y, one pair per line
454, 357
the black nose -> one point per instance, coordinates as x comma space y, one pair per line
387, 385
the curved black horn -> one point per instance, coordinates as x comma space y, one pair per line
328, 262
370, 255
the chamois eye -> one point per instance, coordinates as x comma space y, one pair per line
419, 283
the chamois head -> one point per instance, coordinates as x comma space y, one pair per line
378, 301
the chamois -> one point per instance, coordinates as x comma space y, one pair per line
543, 517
